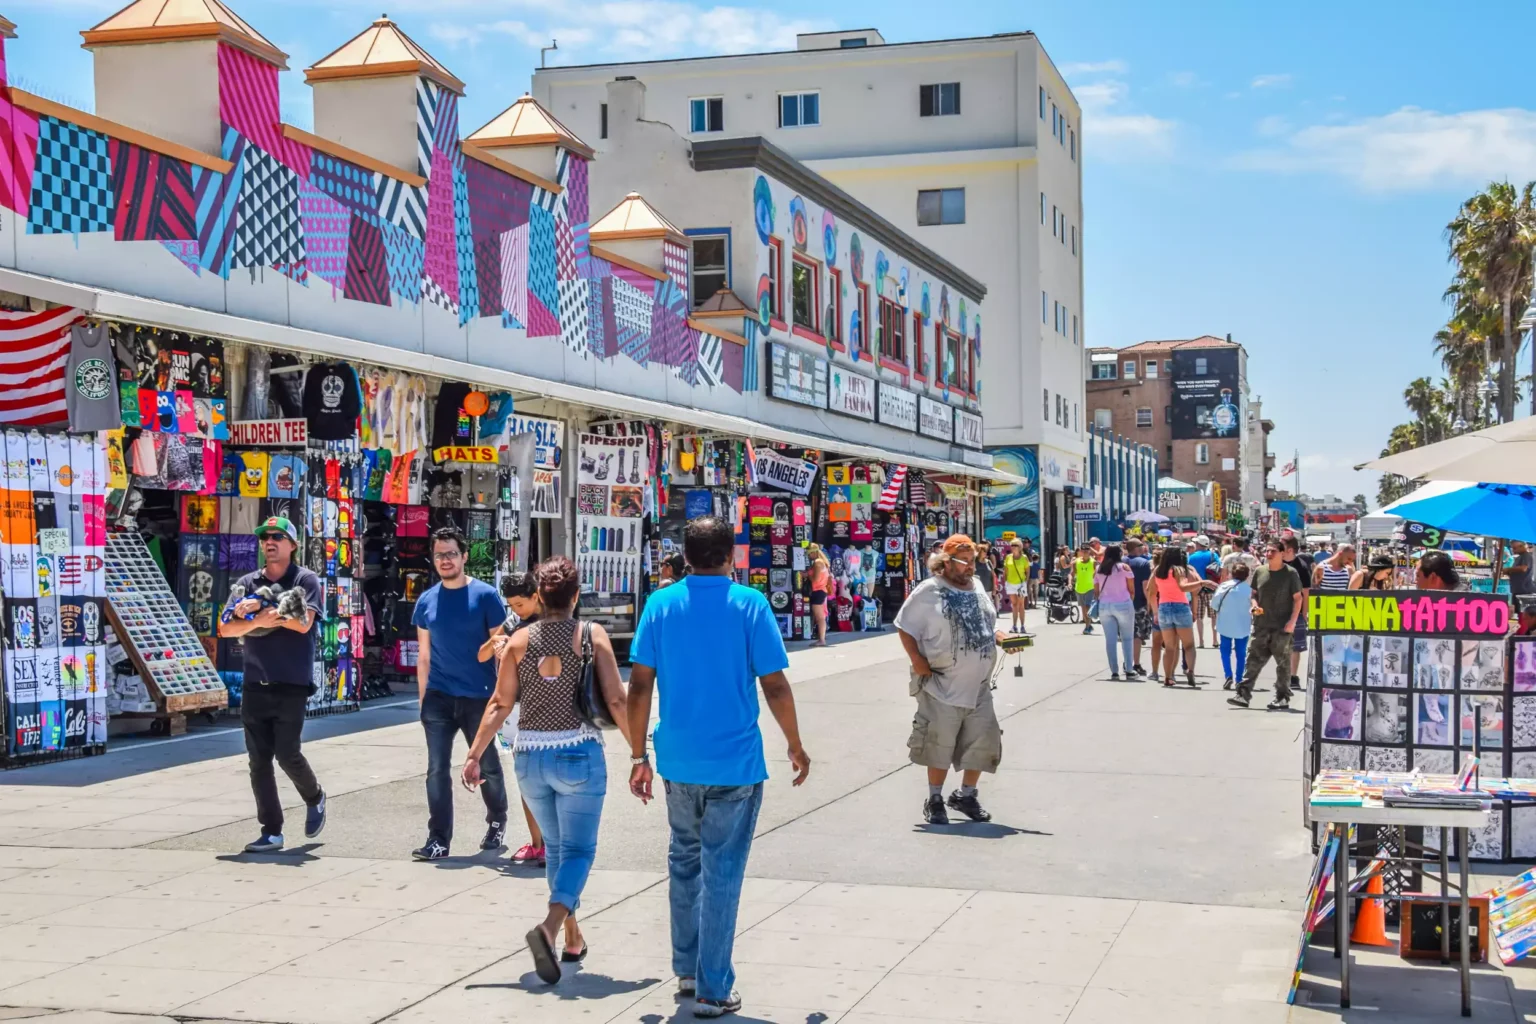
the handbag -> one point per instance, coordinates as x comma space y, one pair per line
590, 704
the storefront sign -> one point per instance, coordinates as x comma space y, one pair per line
795, 376
464, 453
897, 407
1059, 470
292, 433
935, 419
1087, 510
785, 473
1410, 613
852, 394
967, 429
548, 439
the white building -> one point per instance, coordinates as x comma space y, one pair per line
971, 146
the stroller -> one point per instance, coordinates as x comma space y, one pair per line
1060, 601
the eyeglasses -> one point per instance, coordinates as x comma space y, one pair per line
446, 556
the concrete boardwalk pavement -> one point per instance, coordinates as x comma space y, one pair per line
1145, 863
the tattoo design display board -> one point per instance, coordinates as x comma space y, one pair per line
613, 477
1419, 680
156, 633
52, 535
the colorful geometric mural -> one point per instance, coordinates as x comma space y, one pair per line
475, 240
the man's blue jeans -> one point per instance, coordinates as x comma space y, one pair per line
442, 717
712, 830
564, 788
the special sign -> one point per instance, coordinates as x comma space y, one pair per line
1409, 613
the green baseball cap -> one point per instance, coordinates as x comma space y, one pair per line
282, 525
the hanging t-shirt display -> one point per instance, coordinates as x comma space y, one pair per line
331, 401
451, 424
90, 380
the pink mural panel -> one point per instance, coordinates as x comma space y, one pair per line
248, 102
442, 262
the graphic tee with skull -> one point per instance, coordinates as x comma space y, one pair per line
332, 401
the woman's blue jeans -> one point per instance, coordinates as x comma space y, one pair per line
1119, 622
564, 788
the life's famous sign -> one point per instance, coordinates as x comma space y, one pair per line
1409, 613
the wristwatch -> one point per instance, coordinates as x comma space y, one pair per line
638, 761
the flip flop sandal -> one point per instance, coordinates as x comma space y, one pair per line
543, 956
567, 957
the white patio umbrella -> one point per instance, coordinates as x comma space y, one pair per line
1504, 454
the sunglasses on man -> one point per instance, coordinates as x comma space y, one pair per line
274, 536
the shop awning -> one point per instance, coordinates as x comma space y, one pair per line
113, 305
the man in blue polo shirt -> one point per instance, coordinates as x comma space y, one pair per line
704, 640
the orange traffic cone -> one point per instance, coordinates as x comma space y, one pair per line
1371, 923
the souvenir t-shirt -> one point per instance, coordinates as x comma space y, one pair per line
287, 384
284, 476
450, 424
253, 474
331, 401
954, 630
708, 730
495, 423
90, 380
458, 621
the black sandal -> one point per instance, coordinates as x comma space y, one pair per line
543, 956
567, 957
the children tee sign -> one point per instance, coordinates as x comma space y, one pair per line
1409, 613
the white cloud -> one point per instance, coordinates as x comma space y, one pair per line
1273, 126
1184, 79
1409, 149
1270, 81
1112, 67
1113, 133
626, 29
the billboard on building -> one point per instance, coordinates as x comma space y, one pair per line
1013, 508
1207, 394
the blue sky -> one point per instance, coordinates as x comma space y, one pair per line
1280, 172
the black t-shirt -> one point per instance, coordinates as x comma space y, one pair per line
1520, 581
1141, 570
282, 655
448, 427
331, 401
1303, 565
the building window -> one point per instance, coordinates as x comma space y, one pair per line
1074, 239
849, 44
1042, 207
1058, 410
954, 362
1103, 419
862, 341
940, 206
602, 120
1104, 371
919, 355
804, 289
1200, 365
1042, 103
1045, 408
1130, 369
1168, 367
1074, 146
1151, 369
775, 279
1045, 306
1202, 454
1063, 229
1055, 219
893, 342
1144, 417
708, 267
708, 114
1167, 414
799, 109
1074, 328
940, 100
1056, 316
1055, 121
832, 319
1074, 418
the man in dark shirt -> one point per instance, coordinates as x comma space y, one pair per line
1278, 597
1302, 562
1520, 581
279, 677
1141, 569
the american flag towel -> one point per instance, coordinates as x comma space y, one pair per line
892, 492
33, 350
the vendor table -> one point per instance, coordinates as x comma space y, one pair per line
1374, 812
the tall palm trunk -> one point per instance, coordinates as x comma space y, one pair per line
1507, 361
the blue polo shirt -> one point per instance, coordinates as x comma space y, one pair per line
709, 639
458, 621
1201, 561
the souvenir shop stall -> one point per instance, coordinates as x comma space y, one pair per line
1420, 680
620, 495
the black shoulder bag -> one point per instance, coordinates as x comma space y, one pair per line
590, 704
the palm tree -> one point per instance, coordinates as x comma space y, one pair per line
1490, 241
1426, 402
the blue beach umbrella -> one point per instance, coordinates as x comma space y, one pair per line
1507, 511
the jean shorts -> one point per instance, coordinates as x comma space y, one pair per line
1175, 615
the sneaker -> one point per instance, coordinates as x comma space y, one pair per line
687, 987
495, 836
433, 850
1228, 684
527, 853
539, 858
1296, 683
266, 844
1238, 702
314, 819
968, 805
1139, 670
1114, 677
934, 812
1279, 704
717, 1007
1155, 677
1087, 630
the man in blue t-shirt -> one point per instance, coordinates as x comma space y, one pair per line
705, 639
453, 619
1201, 560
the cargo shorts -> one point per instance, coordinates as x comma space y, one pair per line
945, 736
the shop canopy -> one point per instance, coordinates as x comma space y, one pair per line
1505, 453
113, 305
1168, 483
